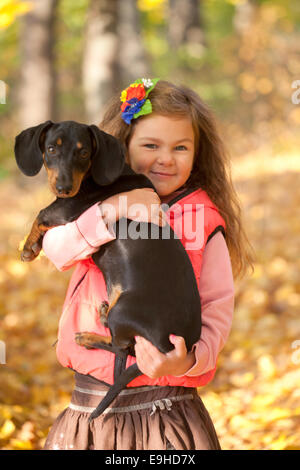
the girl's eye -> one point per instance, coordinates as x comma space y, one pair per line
181, 147
150, 146
51, 149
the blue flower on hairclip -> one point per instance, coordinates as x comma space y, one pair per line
133, 106
135, 101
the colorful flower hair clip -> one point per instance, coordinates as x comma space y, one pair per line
135, 101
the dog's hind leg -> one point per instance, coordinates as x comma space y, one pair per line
92, 340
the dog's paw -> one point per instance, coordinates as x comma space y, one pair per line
29, 254
91, 340
84, 339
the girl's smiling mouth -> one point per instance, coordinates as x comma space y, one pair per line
162, 174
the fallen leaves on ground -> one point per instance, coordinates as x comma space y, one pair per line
254, 400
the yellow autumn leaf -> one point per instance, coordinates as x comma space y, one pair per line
10, 9
241, 422
7, 429
267, 366
17, 268
274, 414
261, 401
21, 445
146, 5
280, 443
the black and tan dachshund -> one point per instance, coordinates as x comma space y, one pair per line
150, 282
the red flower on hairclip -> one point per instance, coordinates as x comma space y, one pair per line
136, 92
134, 99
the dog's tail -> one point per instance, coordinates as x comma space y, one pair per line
129, 374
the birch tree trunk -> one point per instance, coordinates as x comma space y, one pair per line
133, 60
100, 59
185, 26
36, 94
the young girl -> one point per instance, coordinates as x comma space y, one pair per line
171, 137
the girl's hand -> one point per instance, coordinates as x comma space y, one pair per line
141, 205
155, 364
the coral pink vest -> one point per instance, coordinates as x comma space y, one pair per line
87, 290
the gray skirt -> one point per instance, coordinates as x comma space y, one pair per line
140, 418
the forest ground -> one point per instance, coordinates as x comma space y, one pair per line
254, 399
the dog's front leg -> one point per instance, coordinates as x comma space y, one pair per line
33, 244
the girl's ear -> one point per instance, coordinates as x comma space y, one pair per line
108, 158
29, 148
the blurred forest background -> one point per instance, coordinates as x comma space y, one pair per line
60, 60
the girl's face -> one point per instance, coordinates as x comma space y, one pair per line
162, 148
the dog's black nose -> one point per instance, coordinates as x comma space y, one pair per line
63, 189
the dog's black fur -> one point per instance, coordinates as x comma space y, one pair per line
150, 282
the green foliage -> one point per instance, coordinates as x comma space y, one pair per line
245, 76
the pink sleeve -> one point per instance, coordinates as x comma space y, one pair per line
216, 290
66, 244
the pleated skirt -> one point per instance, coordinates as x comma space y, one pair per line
140, 418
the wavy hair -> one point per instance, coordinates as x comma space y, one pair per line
211, 169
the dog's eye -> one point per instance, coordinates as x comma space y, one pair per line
84, 153
51, 149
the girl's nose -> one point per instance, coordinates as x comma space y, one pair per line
165, 157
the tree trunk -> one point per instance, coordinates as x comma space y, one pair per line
100, 59
185, 26
244, 16
132, 55
37, 81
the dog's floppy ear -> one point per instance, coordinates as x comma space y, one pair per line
28, 151
108, 159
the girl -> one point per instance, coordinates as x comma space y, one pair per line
171, 137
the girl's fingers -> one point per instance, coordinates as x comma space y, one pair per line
144, 359
147, 352
143, 205
159, 217
146, 346
179, 344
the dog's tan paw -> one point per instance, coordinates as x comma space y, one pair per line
84, 339
91, 340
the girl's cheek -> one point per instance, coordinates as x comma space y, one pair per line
139, 167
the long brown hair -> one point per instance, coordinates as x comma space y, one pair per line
211, 169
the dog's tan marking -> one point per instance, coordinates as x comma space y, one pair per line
77, 180
79, 145
91, 340
52, 177
113, 299
59, 141
28, 253
114, 296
